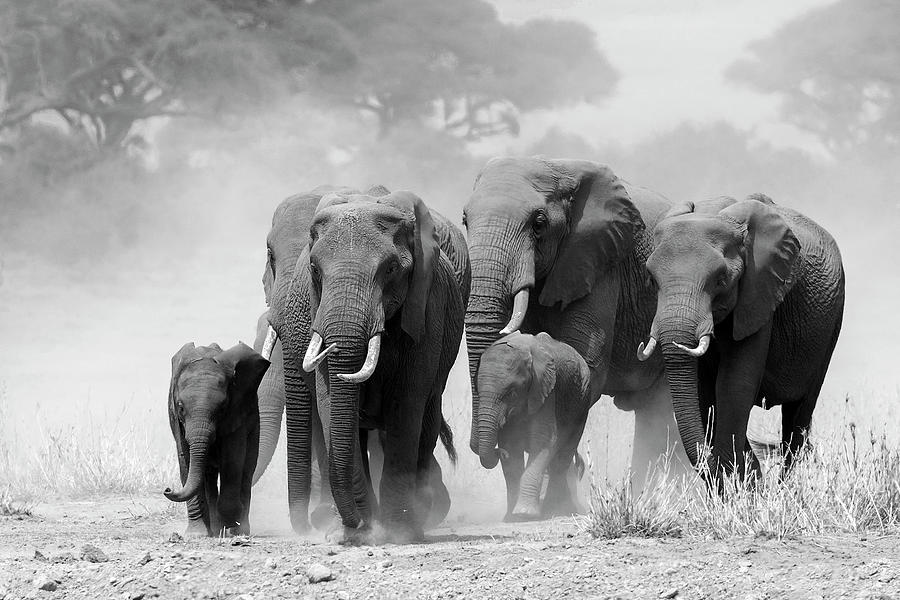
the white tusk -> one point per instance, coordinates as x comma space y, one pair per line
697, 352
520, 306
313, 356
644, 353
369, 365
269, 343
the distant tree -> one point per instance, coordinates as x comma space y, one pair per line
104, 65
836, 69
458, 65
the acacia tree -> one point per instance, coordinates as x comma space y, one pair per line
457, 64
104, 65
836, 69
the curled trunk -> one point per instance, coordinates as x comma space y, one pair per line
198, 439
489, 431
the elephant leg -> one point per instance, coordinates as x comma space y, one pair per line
251, 457
399, 478
233, 458
212, 501
655, 437
321, 457
299, 429
796, 418
197, 511
740, 374
559, 499
513, 465
528, 506
370, 449
440, 501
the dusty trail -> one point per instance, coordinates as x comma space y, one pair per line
551, 559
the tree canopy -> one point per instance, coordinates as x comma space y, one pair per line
103, 65
836, 69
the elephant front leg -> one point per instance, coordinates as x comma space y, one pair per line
559, 499
252, 457
528, 506
212, 501
512, 461
232, 476
400, 475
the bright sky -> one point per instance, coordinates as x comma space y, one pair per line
671, 56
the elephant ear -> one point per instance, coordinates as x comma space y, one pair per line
543, 373
268, 278
682, 208
426, 253
771, 249
603, 223
246, 368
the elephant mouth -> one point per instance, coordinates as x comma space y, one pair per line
315, 355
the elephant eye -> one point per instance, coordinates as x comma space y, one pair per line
539, 224
722, 281
393, 267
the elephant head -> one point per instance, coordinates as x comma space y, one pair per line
212, 393
370, 262
555, 227
712, 262
515, 376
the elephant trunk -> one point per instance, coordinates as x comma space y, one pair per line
198, 436
683, 319
489, 416
502, 266
271, 407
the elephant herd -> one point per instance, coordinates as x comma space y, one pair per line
566, 283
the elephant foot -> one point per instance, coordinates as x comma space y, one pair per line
526, 511
196, 529
300, 522
440, 506
562, 507
400, 534
323, 516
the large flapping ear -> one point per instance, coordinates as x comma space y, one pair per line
543, 369
246, 368
603, 223
426, 253
771, 249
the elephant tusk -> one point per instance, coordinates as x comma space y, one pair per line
697, 352
520, 306
369, 365
269, 343
644, 353
313, 356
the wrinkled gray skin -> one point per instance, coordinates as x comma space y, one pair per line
214, 419
288, 237
767, 284
573, 234
533, 392
376, 276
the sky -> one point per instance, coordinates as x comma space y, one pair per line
671, 56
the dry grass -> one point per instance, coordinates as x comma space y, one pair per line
841, 485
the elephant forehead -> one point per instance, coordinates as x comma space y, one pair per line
202, 372
687, 230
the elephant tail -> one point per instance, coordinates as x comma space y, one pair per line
447, 440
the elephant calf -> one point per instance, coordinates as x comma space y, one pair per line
534, 394
214, 416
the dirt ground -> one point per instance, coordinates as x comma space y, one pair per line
124, 548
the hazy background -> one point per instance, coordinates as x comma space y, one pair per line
145, 144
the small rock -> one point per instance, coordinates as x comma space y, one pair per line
669, 593
144, 559
318, 572
384, 564
92, 553
136, 596
271, 563
175, 538
43, 582
38, 555
343, 595
65, 557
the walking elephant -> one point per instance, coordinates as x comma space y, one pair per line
286, 240
751, 298
214, 419
533, 392
559, 246
387, 320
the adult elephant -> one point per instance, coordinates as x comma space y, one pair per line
387, 320
286, 240
754, 291
559, 246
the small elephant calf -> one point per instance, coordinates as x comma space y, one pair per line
533, 394
214, 416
